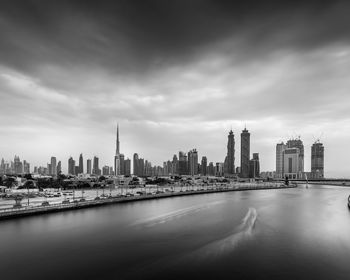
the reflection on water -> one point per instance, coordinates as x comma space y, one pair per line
301, 233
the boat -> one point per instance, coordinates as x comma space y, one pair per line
349, 201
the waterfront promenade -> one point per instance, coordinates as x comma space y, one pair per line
8, 213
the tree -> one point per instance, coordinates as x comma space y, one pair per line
102, 178
28, 176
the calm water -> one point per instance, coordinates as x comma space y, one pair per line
274, 234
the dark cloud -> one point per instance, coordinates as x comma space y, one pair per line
185, 70
138, 36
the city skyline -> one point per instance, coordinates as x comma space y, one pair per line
251, 167
175, 76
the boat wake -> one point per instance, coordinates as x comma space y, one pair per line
166, 217
227, 244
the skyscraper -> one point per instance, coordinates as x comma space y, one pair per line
230, 158
280, 147
59, 167
245, 153
122, 164
18, 166
95, 168
127, 167
211, 169
297, 143
182, 164
81, 164
254, 166
26, 167
193, 162
88, 166
317, 160
204, 166
175, 165
105, 170
291, 160
53, 167
117, 155
135, 164
71, 166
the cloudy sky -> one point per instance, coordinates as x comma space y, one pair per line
176, 75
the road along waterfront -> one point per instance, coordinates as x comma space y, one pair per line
28, 210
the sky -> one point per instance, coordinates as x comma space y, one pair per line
175, 75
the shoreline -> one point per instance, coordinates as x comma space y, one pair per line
12, 213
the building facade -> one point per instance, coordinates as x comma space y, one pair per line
193, 162
291, 161
71, 166
204, 166
317, 160
245, 153
117, 155
230, 157
254, 166
297, 143
280, 147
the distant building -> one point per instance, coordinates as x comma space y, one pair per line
95, 168
71, 166
81, 164
317, 160
193, 162
127, 167
26, 167
245, 153
18, 166
254, 166
105, 170
88, 166
230, 157
122, 164
183, 169
211, 169
135, 164
59, 167
175, 165
219, 169
117, 155
53, 167
280, 147
291, 163
204, 166
297, 143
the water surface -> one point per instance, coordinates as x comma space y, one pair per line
301, 233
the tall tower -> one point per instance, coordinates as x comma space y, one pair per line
204, 166
193, 162
88, 166
81, 164
245, 153
117, 155
53, 170
71, 166
280, 147
231, 153
317, 160
297, 143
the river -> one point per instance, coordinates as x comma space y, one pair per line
301, 233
